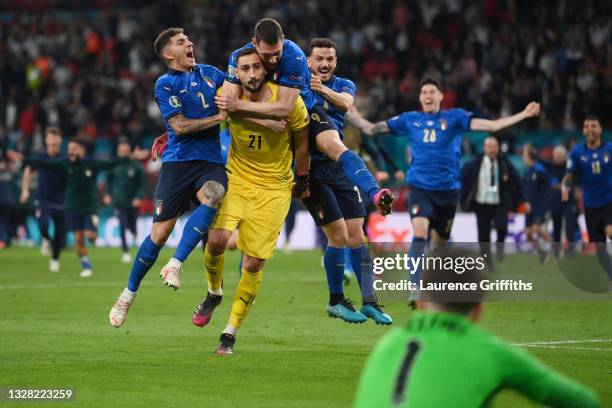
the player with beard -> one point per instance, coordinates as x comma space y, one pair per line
335, 202
286, 65
258, 199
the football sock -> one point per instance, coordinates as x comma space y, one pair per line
145, 258
85, 263
214, 271
195, 229
417, 249
247, 290
362, 266
334, 269
356, 171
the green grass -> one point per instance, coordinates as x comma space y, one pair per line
54, 332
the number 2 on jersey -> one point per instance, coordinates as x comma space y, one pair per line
430, 135
201, 96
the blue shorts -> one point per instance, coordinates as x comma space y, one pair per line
319, 123
437, 206
332, 195
78, 221
536, 216
178, 184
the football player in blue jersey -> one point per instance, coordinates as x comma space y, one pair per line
434, 176
286, 65
536, 189
49, 198
592, 162
334, 202
192, 166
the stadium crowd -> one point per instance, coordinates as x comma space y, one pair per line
89, 69
91, 72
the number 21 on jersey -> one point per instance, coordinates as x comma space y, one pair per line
430, 135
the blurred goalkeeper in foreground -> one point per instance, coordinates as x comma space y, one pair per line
441, 358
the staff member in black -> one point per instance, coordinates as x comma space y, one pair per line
490, 188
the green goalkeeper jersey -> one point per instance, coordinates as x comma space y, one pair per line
443, 360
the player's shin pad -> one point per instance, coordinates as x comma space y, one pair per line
244, 297
214, 269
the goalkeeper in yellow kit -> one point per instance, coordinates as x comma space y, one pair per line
258, 198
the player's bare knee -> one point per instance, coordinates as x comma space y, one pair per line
608, 231
217, 241
338, 238
161, 231
211, 193
329, 143
252, 264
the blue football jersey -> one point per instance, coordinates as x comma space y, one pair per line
536, 186
340, 85
291, 72
594, 166
436, 146
51, 182
191, 94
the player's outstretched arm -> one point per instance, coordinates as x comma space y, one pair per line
530, 111
278, 109
365, 125
25, 185
340, 100
541, 383
566, 186
183, 126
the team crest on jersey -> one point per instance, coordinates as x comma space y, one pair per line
209, 82
88, 173
174, 101
606, 158
443, 124
415, 209
158, 207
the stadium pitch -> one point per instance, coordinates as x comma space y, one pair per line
54, 333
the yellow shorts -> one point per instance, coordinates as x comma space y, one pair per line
259, 212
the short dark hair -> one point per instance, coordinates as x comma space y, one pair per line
54, 130
430, 81
268, 30
457, 301
321, 43
124, 140
164, 38
244, 52
593, 117
80, 142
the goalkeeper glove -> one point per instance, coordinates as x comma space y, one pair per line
301, 186
159, 145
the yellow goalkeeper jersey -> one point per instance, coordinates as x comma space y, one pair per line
261, 157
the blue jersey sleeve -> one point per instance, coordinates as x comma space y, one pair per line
231, 67
293, 70
347, 86
167, 99
219, 77
399, 124
462, 119
572, 161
